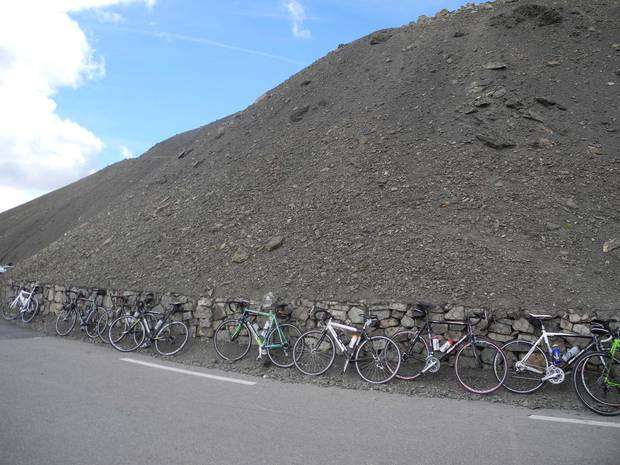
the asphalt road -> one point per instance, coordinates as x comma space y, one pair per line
67, 402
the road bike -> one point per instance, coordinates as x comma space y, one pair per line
233, 337
529, 367
90, 315
120, 306
144, 327
596, 379
376, 358
19, 301
474, 354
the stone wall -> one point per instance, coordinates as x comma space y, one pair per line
203, 314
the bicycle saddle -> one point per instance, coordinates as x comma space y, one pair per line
322, 315
420, 309
541, 317
99, 291
599, 327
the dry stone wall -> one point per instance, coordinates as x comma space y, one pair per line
204, 313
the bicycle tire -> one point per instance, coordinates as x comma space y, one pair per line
124, 328
307, 345
484, 364
594, 402
230, 334
92, 322
31, 310
8, 313
180, 334
382, 349
282, 356
67, 315
413, 353
517, 381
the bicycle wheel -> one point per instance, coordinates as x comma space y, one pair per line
476, 368
65, 321
377, 359
413, 354
9, 311
596, 379
525, 377
102, 325
31, 311
314, 352
280, 343
171, 338
126, 333
93, 322
232, 339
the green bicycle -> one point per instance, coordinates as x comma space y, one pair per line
233, 337
596, 379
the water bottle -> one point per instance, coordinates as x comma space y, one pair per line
158, 325
556, 354
353, 341
436, 341
570, 353
265, 329
268, 300
446, 345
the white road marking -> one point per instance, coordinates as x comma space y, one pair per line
608, 424
189, 372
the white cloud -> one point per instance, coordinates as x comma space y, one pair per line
125, 152
297, 15
42, 49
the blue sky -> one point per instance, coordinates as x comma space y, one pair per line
160, 82
86, 83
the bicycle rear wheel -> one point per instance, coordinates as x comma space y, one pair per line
524, 377
65, 321
31, 311
96, 321
377, 359
413, 354
314, 353
232, 339
126, 333
596, 379
280, 343
171, 338
478, 366
8, 312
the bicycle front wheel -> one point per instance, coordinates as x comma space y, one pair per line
596, 380
314, 353
65, 321
413, 354
232, 339
478, 366
171, 338
126, 333
31, 311
96, 321
9, 311
280, 343
522, 376
377, 359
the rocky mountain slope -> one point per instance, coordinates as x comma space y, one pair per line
470, 157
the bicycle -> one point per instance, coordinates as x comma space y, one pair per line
21, 303
315, 351
90, 314
128, 332
598, 373
120, 306
528, 366
233, 337
474, 359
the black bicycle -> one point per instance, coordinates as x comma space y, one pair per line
144, 327
90, 315
474, 355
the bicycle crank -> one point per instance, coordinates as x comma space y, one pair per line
432, 365
553, 374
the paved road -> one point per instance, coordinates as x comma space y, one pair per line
67, 402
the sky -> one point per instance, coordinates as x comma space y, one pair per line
87, 83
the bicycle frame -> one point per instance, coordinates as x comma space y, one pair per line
22, 300
544, 337
615, 347
249, 313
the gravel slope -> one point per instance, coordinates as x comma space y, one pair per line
469, 158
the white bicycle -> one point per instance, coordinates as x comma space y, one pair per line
22, 302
